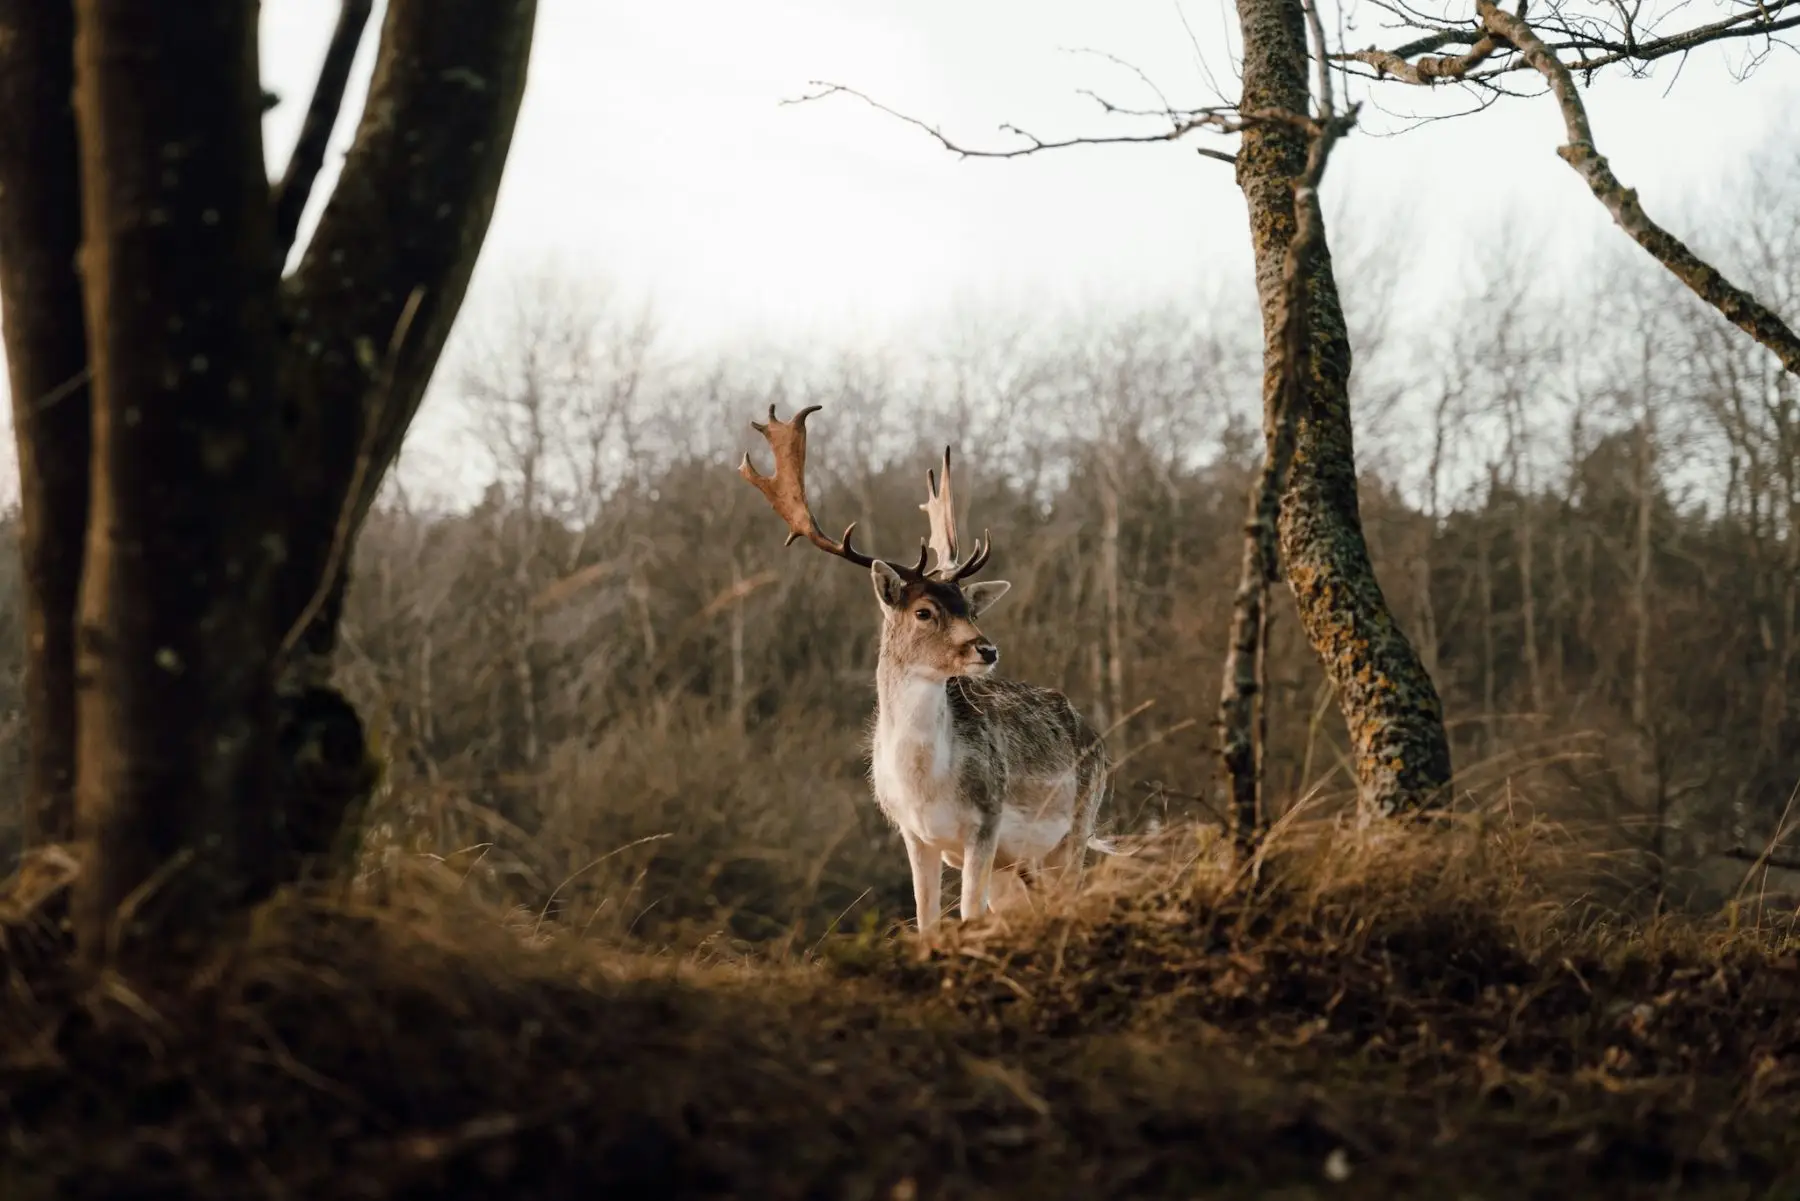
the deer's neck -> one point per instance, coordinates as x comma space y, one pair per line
912, 717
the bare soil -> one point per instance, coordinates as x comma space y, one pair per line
1417, 1015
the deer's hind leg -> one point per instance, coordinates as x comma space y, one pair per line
978, 869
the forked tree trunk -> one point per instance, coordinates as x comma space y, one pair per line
177, 641
1395, 719
239, 426
46, 359
1243, 701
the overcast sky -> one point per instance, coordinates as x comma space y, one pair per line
654, 154
653, 151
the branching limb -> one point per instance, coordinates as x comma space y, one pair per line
1425, 71
1182, 122
1595, 48
413, 201
296, 185
1738, 306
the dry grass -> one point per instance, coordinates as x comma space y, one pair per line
1429, 1013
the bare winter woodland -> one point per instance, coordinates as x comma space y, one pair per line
607, 685
374, 841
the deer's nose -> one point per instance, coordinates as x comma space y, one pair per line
988, 651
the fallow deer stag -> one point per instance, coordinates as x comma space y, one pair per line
974, 770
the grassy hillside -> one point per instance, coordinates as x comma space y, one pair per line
1433, 1013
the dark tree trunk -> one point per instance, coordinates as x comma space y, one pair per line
46, 358
196, 505
1389, 703
176, 630
409, 213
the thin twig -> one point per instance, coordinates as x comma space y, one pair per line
1789, 863
1181, 124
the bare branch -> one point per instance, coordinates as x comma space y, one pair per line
1787, 863
1622, 46
1427, 71
295, 188
1321, 55
1181, 124
1739, 307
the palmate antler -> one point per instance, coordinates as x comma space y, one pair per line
786, 489
940, 509
786, 493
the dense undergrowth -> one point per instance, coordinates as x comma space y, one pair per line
1366, 1013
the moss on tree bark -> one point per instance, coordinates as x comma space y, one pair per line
1390, 706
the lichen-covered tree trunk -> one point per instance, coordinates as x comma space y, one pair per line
46, 359
1389, 703
176, 640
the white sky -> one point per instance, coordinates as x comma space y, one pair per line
653, 154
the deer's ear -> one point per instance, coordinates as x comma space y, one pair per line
890, 589
981, 597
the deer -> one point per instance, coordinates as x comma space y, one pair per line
974, 770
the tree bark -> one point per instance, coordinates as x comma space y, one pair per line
200, 501
409, 212
176, 633
46, 357
1389, 703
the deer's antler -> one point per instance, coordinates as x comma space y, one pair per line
940, 508
786, 489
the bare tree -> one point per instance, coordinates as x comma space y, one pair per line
1242, 719
1389, 703
241, 422
1573, 38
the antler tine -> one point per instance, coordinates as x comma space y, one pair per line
940, 507
940, 510
786, 489
984, 546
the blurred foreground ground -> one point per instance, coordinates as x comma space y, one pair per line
1382, 1013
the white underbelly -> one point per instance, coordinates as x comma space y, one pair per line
1037, 815
1027, 838
941, 823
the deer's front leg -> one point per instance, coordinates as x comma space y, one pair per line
928, 882
978, 869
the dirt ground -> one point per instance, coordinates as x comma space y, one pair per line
1402, 1014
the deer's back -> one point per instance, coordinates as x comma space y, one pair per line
1029, 730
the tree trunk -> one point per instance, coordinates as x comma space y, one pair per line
1484, 584
1644, 485
46, 358
1395, 718
196, 503
409, 212
177, 638
1109, 584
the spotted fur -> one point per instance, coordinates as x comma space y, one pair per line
975, 770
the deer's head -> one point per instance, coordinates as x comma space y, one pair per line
928, 614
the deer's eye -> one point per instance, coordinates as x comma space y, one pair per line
922, 614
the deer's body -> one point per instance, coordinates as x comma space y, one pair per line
974, 771
980, 773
